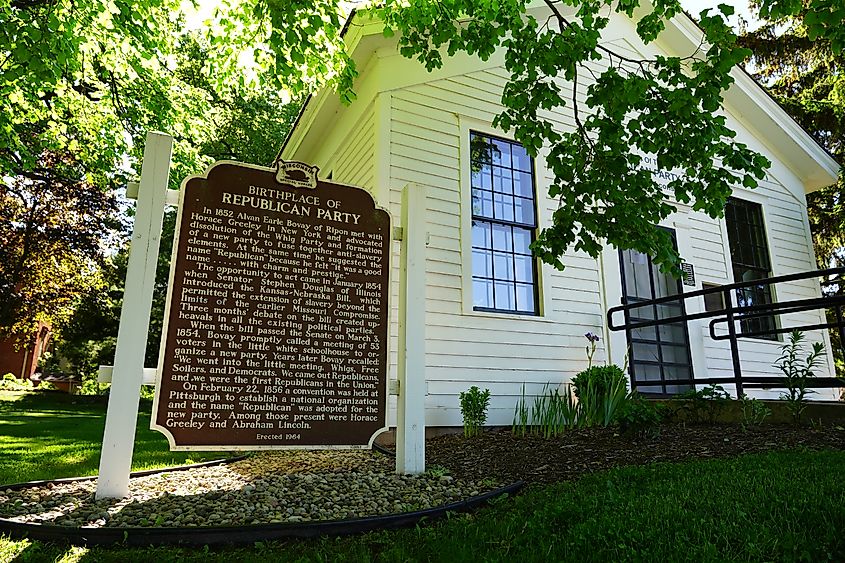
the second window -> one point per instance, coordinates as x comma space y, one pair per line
504, 220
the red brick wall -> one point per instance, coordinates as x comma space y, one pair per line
22, 361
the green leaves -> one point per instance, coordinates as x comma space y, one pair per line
642, 131
821, 18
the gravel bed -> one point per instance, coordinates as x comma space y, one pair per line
269, 487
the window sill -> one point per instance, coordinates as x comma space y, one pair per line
508, 316
705, 336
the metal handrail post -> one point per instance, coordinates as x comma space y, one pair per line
729, 313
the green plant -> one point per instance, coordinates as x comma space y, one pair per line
474, 403
12, 383
90, 386
817, 424
437, 471
602, 378
551, 413
592, 339
598, 404
797, 372
554, 412
521, 418
46, 386
754, 412
638, 417
600, 391
706, 404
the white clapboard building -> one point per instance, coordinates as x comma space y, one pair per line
523, 323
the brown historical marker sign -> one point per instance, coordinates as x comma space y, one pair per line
276, 330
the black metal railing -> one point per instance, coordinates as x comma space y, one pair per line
730, 315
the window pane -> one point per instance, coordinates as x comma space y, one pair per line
502, 237
501, 153
643, 352
504, 296
483, 178
482, 203
676, 372
482, 293
674, 354
503, 207
482, 263
524, 211
502, 265
523, 184
521, 160
502, 180
524, 268
673, 333
649, 373
521, 240
481, 234
525, 297
481, 150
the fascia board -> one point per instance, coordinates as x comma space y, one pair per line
359, 27
363, 37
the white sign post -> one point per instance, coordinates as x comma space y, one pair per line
410, 411
122, 414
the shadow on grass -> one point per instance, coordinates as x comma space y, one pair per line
56, 435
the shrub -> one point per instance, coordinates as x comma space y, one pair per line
602, 378
598, 404
705, 405
797, 373
12, 383
754, 412
474, 404
638, 417
600, 391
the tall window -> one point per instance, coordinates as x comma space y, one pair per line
750, 259
504, 274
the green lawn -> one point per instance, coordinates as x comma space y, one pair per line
51, 435
782, 506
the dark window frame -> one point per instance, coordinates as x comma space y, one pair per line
659, 341
713, 301
748, 244
510, 225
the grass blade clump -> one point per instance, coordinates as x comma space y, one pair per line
520, 424
551, 413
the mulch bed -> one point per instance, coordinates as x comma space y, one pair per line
506, 457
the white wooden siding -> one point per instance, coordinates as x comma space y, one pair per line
499, 352
354, 162
420, 132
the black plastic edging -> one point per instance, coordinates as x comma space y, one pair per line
230, 535
144, 473
383, 450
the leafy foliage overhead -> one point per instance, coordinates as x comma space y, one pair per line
84, 80
807, 77
82, 83
662, 107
